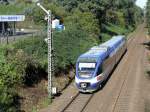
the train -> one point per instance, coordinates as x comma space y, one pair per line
94, 66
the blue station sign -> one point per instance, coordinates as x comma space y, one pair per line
9, 18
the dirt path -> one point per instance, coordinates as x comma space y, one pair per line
123, 91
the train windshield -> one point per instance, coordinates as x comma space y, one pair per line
86, 70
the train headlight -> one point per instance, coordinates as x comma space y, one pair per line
99, 78
83, 85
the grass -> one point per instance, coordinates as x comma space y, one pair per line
34, 109
45, 102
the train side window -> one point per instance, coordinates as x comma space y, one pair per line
99, 71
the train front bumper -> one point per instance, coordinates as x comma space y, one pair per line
87, 85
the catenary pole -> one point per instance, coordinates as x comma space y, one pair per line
49, 31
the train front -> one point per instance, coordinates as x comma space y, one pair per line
85, 79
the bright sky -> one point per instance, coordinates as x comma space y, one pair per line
141, 3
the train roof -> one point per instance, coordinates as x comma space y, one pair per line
114, 41
101, 51
94, 54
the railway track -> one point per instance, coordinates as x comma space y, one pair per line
81, 101
78, 103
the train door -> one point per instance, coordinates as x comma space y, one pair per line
108, 65
120, 51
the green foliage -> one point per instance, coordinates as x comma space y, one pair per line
115, 30
15, 69
34, 109
86, 20
13, 9
35, 48
9, 78
120, 13
105, 37
38, 15
115, 17
7, 99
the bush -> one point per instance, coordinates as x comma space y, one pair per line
35, 48
7, 98
9, 78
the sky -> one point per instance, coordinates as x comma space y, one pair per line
141, 3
